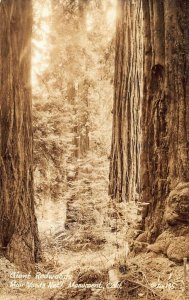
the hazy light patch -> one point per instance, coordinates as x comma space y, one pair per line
46, 11
37, 58
40, 42
89, 22
111, 16
45, 28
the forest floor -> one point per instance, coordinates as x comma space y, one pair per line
87, 248
146, 276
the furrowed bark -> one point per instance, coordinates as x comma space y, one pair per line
165, 107
150, 139
18, 227
124, 166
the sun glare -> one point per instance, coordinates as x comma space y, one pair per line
46, 12
40, 42
111, 16
45, 27
89, 22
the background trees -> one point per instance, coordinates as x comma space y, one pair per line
72, 112
72, 97
84, 233
18, 228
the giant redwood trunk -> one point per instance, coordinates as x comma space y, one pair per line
165, 119
162, 111
18, 228
124, 165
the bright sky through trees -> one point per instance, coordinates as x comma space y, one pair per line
42, 31
40, 42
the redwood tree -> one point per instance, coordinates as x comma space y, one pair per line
151, 129
124, 165
18, 229
70, 30
165, 110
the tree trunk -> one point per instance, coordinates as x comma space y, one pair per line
151, 129
83, 88
164, 169
83, 120
124, 165
18, 227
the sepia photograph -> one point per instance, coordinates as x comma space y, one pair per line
94, 149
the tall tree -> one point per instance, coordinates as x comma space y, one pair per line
164, 169
151, 133
18, 227
124, 172
71, 35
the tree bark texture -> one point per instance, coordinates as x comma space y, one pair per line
18, 227
124, 165
150, 144
164, 169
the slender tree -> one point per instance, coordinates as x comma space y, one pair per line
18, 227
69, 26
151, 108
